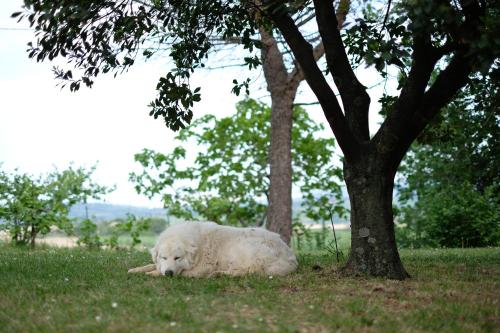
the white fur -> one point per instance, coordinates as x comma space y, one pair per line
199, 249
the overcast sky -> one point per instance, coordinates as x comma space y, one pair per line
42, 126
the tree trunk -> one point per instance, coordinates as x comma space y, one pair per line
373, 245
279, 214
33, 234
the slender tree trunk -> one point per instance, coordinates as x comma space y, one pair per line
279, 216
373, 245
25, 235
33, 234
279, 212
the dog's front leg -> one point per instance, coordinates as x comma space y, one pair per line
154, 273
143, 269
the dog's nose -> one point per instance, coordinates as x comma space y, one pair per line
168, 272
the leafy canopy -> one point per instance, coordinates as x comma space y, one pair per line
228, 180
100, 36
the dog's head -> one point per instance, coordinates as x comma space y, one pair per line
173, 256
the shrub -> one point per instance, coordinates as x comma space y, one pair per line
452, 216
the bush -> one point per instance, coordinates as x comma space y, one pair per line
158, 225
132, 226
88, 235
452, 216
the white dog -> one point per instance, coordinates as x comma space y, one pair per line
199, 249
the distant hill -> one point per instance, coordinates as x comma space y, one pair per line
100, 212
105, 212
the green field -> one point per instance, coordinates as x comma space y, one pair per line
76, 290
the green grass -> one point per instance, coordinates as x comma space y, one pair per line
310, 244
75, 290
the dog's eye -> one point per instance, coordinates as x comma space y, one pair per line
177, 258
164, 258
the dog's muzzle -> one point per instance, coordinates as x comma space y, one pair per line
168, 272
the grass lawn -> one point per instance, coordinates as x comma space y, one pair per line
75, 290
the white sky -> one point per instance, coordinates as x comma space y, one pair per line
42, 126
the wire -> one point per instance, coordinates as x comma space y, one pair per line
15, 29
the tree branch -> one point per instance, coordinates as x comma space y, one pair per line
354, 96
395, 127
303, 53
388, 10
273, 63
447, 84
297, 75
416, 107
305, 20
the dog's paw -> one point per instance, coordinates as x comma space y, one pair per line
143, 269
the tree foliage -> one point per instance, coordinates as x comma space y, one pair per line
449, 187
30, 205
96, 37
228, 180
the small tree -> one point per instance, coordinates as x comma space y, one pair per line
30, 206
229, 179
88, 235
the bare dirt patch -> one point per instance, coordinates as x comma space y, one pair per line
59, 241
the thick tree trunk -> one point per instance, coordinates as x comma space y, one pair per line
373, 244
279, 216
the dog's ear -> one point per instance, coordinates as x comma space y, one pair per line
154, 254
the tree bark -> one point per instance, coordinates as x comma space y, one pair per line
370, 183
279, 216
33, 234
279, 212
